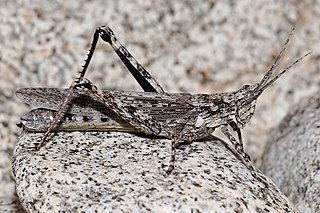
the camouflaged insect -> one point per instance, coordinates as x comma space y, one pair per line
177, 116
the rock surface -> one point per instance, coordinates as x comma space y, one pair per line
121, 172
10, 204
292, 158
189, 46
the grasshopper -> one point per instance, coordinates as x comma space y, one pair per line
177, 116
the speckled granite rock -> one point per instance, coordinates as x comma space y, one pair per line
292, 158
125, 173
189, 46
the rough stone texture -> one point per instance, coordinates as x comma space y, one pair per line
292, 158
102, 172
194, 46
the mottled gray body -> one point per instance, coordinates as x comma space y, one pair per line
178, 116
178, 113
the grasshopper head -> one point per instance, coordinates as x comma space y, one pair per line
247, 96
246, 102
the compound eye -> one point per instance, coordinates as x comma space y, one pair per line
246, 86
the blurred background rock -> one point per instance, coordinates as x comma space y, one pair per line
188, 46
